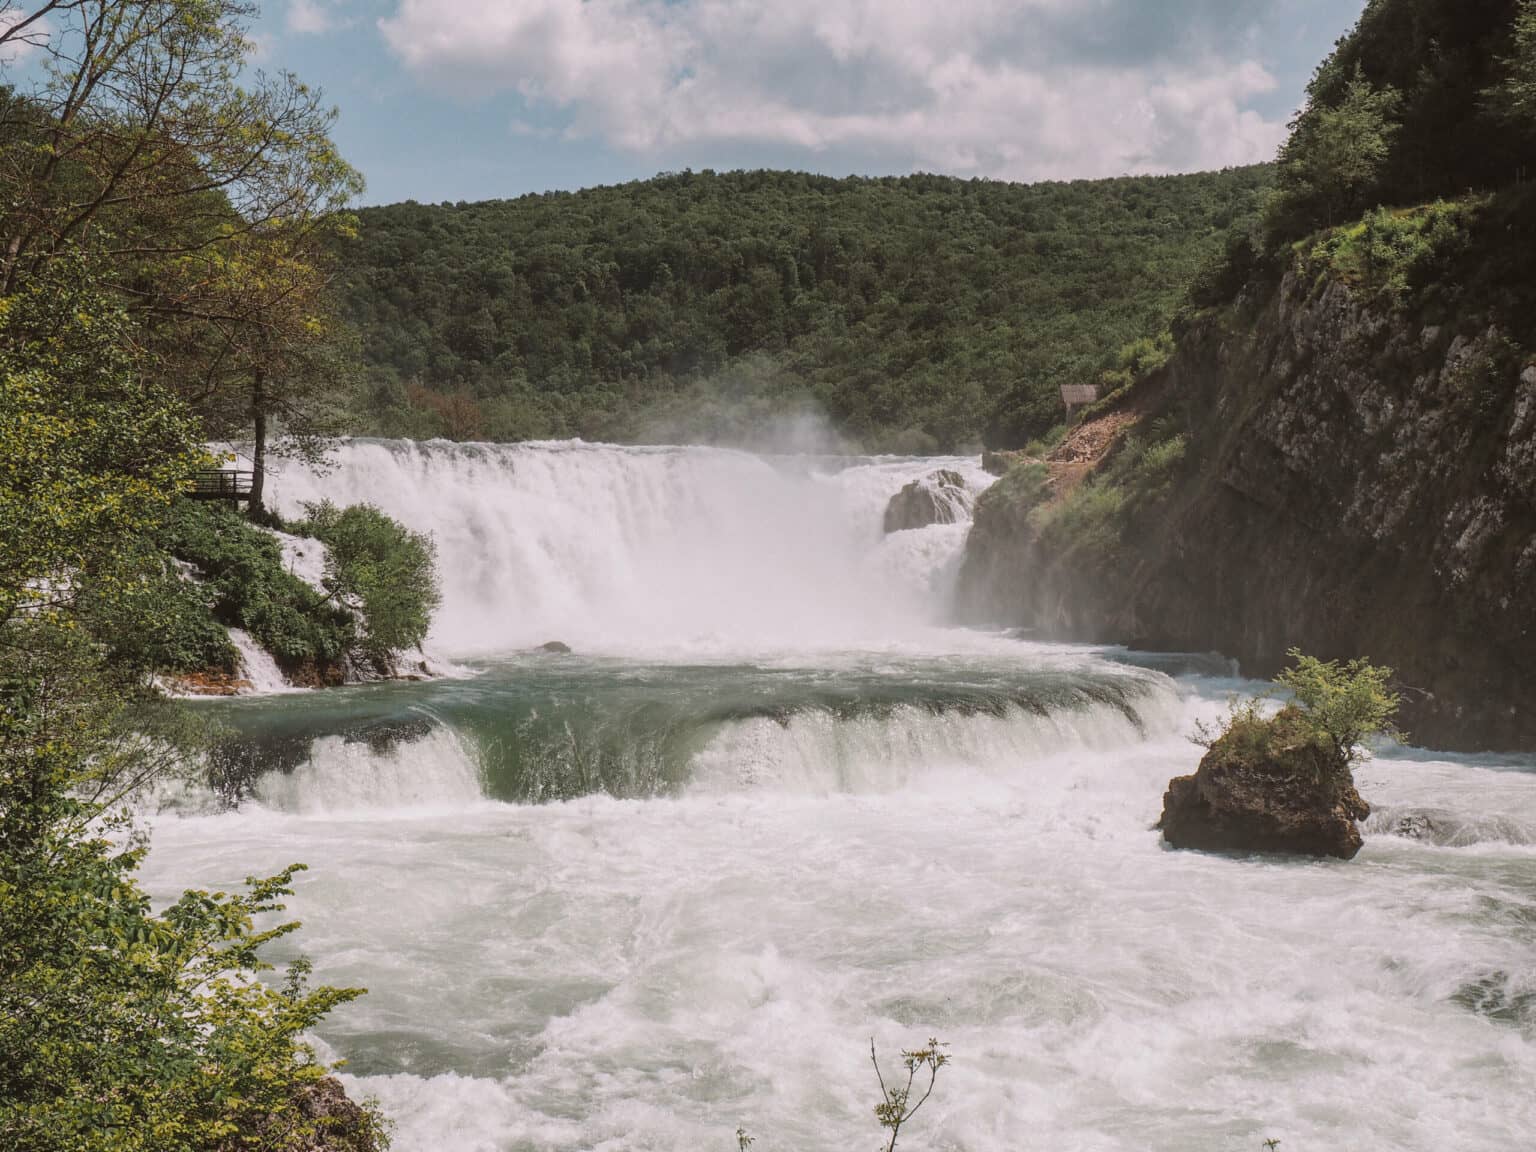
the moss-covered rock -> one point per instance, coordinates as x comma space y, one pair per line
1268, 785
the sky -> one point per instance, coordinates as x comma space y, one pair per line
447, 100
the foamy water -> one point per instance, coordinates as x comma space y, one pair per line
921, 833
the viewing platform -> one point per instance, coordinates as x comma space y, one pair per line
221, 484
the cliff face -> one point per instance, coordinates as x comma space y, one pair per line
1355, 484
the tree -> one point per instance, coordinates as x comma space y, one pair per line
141, 139
1337, 151
896, 1106
91, 452
1514, 98
380, 570
213, 196
287, 360
1347, 702
121, 1029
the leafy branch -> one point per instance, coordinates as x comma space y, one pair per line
896, 1107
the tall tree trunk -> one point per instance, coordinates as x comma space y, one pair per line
259, 451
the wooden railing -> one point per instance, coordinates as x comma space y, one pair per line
221, 484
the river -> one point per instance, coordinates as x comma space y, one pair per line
772, 807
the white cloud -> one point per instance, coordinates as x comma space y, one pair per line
310, 17
21, 44
1000, 88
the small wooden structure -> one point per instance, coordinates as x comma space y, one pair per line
1078, 396
221, 484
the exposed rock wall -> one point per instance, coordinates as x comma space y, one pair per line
1356, 484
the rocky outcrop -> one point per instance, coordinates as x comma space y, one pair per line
1267, 786
1356, 482
209, 682
324, 1119
941, 498
341, 1124
556, 648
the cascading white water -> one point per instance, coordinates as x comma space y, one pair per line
816, 752
343, 777
257, 668
887, 829
624, 549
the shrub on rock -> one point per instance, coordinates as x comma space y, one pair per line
1285, 783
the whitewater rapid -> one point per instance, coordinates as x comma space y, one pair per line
636, 897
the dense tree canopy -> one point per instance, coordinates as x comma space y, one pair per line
916, 312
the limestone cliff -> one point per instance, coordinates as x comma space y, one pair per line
1352, 479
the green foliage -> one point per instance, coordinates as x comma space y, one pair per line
242, 568
382, 570
1335, 705
923, 312
1024, 486
381, 590
1337, 153
1241, 261
121, 1029
1135, 360
1091, 519
1514, 98
1345, 702
90, 453
1424, 99
1087, 520
1400, 255
162, 621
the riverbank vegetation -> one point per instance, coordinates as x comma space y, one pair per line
165, 223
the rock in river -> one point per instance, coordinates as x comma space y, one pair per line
939, 498
1267, 786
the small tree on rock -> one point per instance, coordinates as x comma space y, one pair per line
1348, 703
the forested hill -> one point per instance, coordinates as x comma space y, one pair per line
916, 313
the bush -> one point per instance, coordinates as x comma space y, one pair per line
1400, 254
162, 622
1088, 519
379, 569
1338, 705
242, 567
1346, 703
1222, 279
1092, 518
123, 1029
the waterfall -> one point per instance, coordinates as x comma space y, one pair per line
257, 668
619, 548
342, 776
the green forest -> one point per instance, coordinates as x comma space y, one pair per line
917, 313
